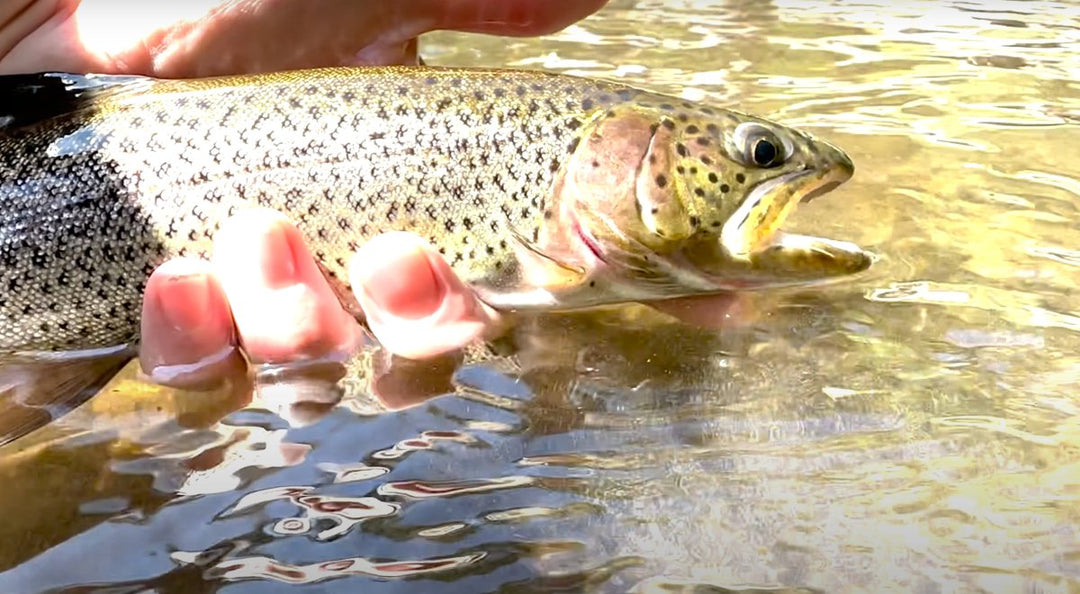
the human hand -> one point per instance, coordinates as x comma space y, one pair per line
190, 38
263, 290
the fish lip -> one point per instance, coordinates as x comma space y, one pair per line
828, 186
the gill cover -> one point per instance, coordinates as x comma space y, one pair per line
658, 192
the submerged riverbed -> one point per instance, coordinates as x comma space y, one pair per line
917, 429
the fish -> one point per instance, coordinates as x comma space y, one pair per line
541, 190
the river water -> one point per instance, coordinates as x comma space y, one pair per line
914, 430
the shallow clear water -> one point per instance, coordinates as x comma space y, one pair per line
917, 429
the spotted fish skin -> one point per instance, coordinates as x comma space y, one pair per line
113, 175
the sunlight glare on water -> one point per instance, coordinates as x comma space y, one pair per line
914, 430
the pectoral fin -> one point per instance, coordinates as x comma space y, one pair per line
534, 280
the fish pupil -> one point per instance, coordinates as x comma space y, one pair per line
764, 153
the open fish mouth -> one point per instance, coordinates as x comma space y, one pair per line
752, 250
754, 224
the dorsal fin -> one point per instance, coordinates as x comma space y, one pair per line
31, 98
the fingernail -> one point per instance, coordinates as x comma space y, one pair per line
404, 287
280, 253
185, 300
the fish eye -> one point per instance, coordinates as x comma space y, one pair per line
756, 145
764, 151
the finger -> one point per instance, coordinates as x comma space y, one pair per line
517, 17
724, 310
283, 307
209, 37
187, 328
414, 304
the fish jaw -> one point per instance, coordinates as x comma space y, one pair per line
786, 260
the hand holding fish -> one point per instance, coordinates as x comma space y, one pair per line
262, 273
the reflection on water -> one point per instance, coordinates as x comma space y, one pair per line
916, 430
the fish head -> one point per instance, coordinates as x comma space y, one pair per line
702, 197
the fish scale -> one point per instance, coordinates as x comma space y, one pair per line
514, 176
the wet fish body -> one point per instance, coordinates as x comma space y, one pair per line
541, 190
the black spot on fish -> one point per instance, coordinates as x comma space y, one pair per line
705, 160
661, 180
694, 221
547, 215
700, 193
500, 92
348, 96
713, 178
667, 107
740, 178
680, 170
624, 94
595, 163
479, 95
429, 80
670, 125
715, 223
520, 90
713, 129
311, 89
724, 188
681, 149
573, 144
573, 124
683, 117
654, 210
653, 128
701, 140
455, 82
692, 129
652, 159
610, 113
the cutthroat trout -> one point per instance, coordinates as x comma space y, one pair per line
540, 190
